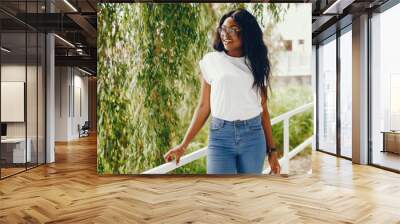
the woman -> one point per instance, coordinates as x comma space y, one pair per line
234, 86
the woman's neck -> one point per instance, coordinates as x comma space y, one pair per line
235, 53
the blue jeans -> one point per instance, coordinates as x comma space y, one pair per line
236, 146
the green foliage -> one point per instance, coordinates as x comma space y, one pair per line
277, 11
115, 126
148, 84
147, 80
287, 98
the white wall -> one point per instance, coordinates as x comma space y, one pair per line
33, 126
314, 87
62, 82
12, 73
79, 117
69, 82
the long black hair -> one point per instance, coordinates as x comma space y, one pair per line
253, 46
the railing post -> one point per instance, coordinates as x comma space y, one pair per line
285, 165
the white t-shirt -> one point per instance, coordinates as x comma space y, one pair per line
232, 95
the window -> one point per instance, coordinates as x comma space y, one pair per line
385, 85
22, 65
327, 96
346, 94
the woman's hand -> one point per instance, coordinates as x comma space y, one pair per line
199, 118
274, 163
176, 152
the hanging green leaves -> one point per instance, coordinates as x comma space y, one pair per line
148, 80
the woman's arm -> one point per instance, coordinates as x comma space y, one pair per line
266, 123
200, 116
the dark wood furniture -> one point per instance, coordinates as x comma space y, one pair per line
391, 141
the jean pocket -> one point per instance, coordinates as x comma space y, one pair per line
216, 124
256, 126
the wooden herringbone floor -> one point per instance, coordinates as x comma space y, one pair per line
70, 191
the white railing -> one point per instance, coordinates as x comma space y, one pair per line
284, 161
167, 167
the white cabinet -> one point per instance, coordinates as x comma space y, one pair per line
18, 149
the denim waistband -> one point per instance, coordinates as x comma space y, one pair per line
255, 119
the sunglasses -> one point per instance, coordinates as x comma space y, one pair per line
228, 30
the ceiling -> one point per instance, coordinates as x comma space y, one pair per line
332, 15
73, 21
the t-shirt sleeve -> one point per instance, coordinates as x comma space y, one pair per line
204, 68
